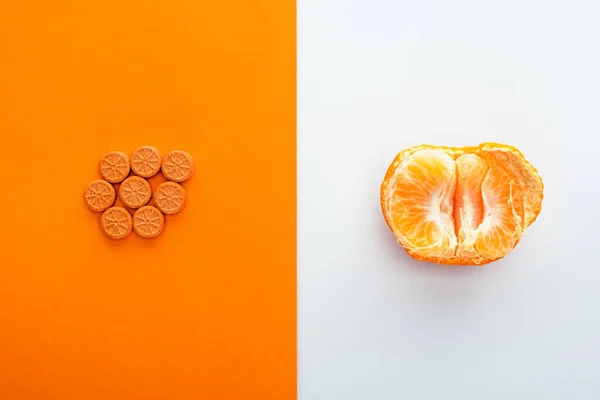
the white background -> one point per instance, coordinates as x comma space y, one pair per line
377, 76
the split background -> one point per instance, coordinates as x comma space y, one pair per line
280, 279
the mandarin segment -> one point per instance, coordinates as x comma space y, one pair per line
135, 192
418, 203
146, 161
178, 166
114, 166
99, 195
501, 226
511, 160
466, 206
170, 197
148, 222
470, 170
468, 201
116, 222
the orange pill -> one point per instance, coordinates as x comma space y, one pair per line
114, 166
116, 222
178, 166
135, 192
146, 161
99, 195
148, 222
169, 197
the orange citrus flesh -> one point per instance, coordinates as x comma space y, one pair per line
467, 206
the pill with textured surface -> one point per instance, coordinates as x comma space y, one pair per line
135, 192
99, 195
169, 197
114, 166
148, 222
178, 166
146, 161
116, 222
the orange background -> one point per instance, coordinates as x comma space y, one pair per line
207, 310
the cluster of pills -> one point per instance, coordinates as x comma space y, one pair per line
126, 177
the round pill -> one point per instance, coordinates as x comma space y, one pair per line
114, 166
116, 222
169, 197
146, 161
99, 195
135, 192
148, 222
178, 166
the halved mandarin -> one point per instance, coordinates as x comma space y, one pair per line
146, 161
135, 192
466, 206
99, 195
148, 222
114, 166
116, 222
169, 197
178, 166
